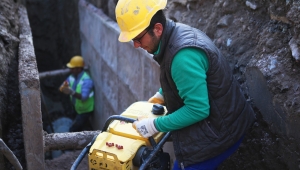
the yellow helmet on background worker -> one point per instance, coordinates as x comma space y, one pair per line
134, 16
76, 61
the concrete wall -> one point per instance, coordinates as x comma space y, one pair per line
122, 74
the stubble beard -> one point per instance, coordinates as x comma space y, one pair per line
153, 48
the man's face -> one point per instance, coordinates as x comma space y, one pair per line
75, 71
149, 39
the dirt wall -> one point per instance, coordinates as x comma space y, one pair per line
257, 38
10, 112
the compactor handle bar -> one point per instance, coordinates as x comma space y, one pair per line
125, 119
82, 154
116, 117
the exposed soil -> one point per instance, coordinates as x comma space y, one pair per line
65, 161
10, 112
254, 34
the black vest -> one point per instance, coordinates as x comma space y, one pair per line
230, 114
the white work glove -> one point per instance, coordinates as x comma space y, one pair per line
145, 127
67, 90
157, 98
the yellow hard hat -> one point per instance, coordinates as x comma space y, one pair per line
76, 61
134, 16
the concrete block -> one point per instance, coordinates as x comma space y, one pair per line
110, 86
262, 98
125, 97
130, 70
29, 87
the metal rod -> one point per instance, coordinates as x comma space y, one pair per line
54, 73
10, 155
154, 152
82, 154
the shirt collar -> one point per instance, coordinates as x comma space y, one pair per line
158, 49
79, 75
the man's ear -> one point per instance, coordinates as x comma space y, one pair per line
158, 29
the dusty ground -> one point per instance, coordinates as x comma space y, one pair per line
65, 161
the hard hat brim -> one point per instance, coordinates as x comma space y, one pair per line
128, 36
70, 66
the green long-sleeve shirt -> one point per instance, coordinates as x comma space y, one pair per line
188, 71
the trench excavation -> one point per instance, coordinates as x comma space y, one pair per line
259, 39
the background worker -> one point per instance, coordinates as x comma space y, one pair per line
79, 86
208, 114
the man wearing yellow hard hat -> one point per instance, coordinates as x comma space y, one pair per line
79, 86
208, 113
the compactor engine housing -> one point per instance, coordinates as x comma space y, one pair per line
120, 147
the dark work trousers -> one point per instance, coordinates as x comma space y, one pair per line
80, 122
213, 163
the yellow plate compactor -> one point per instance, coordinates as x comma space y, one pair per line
120, 147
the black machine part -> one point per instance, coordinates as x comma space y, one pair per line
161, 161
158, 109
140, 155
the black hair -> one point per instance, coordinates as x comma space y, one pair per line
159, 17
